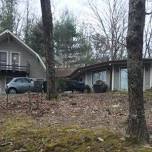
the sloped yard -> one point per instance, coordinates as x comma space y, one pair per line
72, 123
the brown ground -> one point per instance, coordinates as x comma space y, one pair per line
107, 110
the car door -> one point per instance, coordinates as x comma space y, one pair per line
26, 84
18, 84
22, 84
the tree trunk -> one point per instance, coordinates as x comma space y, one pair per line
137, 128
49, 47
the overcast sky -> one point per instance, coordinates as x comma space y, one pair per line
78, 7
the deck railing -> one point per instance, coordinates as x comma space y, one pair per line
14, 68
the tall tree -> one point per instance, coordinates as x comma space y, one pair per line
110, 28
136, 122
35, 37
71, 44
8, 16
29, 21
49, 47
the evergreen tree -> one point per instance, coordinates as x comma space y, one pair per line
8, 15
71, 45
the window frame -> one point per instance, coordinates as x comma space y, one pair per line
99, 73
122, 67
11, 55
7, 60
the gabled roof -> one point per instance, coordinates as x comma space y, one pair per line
7, 32
64, 72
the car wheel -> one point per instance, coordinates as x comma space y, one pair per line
12, 91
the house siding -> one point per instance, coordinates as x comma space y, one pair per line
26, 57
89, 78
108, 78
150, 75
146, 76
116, 77
2, 83
147, 70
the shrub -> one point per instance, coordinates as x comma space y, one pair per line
100, 86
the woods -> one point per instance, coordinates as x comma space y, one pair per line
109, 44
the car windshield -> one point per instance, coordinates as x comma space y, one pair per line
25, 80
13, 80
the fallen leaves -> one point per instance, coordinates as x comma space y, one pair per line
107, 110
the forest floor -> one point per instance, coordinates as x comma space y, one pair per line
71, 123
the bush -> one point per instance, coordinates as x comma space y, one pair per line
100, 86
87, 89
60, 85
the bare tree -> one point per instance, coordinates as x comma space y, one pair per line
27, 22
49, 47
148, 38
112, 27
148, 31
10, 18
136, 122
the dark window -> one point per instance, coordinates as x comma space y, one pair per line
3, 58
18, 80
24, 80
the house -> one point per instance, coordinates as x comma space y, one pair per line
63, 72
113, 73
18, 60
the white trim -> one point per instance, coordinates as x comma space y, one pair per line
7, 60
113, 77
99, 71
31, 50
11, 57
144, 74
120, 68
150, 75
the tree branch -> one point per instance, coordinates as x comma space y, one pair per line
148, 13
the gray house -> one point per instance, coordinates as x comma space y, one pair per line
113, 73
17, 60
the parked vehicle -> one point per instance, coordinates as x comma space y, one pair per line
72, 85
22, 85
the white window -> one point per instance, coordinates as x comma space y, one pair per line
15, 59
96, 77
3, 58
99, 76
103, 76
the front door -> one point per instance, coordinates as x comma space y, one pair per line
123, 79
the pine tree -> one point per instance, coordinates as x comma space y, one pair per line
8, 15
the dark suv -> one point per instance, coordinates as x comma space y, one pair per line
72, 85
